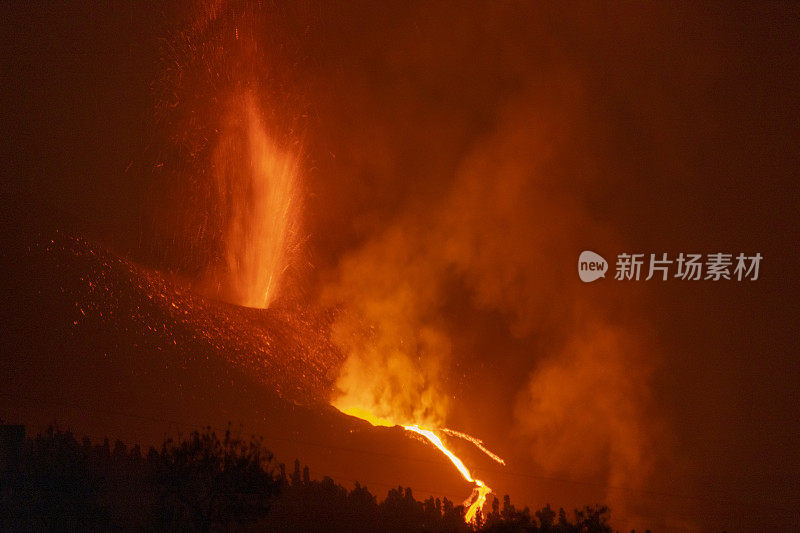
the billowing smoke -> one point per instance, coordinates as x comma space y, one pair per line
397, 351
585, 410
504, 238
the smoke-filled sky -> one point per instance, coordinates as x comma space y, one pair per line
454, 161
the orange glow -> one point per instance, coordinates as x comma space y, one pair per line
431, 436
477, 499
478, 496
256, 182
364, 414
476, 442
479, 492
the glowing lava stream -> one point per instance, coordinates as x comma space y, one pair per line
481, 490
478, 496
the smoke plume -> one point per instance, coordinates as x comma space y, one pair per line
506, 235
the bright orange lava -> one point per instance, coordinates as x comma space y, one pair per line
257, 187
481, 490
478, 496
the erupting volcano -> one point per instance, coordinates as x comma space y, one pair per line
251, 191
351, 228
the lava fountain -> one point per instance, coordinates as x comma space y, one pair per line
227, 149
256, 185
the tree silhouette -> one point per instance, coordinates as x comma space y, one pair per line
205, 482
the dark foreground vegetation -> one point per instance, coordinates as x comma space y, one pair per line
208, 482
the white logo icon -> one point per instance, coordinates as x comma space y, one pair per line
591, 266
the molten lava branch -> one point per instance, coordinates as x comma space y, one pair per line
477, 442
431, 436
478, 496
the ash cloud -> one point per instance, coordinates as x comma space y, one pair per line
503, 238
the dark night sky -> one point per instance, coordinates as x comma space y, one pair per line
517, 137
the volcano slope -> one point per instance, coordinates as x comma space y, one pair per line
105, 347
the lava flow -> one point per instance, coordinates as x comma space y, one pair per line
479, 492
